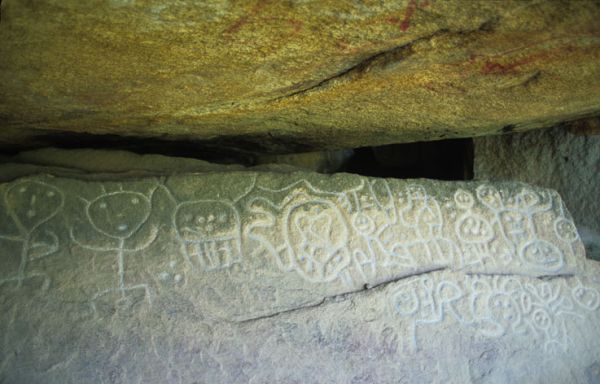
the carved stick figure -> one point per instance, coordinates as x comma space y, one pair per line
31, 204
118, 216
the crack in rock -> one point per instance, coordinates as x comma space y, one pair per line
382, 60
342, 296
371, 288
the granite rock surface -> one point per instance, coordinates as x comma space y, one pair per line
293, 76
259, 277
566, 160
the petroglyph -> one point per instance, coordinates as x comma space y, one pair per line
30, 204
495, 306
360, 234
220, 265
116, 217
210, 232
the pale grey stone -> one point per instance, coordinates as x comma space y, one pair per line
553, 158
256, 277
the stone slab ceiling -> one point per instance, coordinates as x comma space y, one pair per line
265, 277
294, 75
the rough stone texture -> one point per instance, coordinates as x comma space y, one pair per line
565, 160
258, 277
322, 162
294, 75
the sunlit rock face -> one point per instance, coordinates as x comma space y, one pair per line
255, 277
295, 75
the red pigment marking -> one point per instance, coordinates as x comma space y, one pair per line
412, 6
239, 23
410, 10
495, 68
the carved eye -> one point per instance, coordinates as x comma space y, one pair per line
135, 200
50, 194
22, 189
102, 205
200, 219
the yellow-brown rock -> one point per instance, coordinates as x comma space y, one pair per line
268, 75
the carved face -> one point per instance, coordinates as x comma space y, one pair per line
119, 214
541, 253
210, 231
504, 310
541, 319
586, 297
528, 198
205, 220
318, 236
489, 196
363, 223
463, 199
406, 301
565, 230
32, 203
514, 224
474, 229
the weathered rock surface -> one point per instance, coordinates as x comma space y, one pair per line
565, 160
257, 277
294, 76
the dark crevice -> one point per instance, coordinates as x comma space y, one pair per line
443, 160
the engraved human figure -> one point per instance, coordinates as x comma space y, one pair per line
505, 313
516, 223
373, 213
118, 216
316, 235
425, 301
210, 233
472, 229
30, 204
418, 237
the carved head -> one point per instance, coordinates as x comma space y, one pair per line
504, 310
586, 297
489, 196
118, 214
32, 203
474, 229
542, 254
206, 220
514, 223
463, 199
405, 300
565, 230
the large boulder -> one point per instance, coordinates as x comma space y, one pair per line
566, 160
261, 277
296, 75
